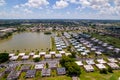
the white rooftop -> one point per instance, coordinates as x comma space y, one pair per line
62, 52
101, 61
14, 58
48, 56
67, 54
118, 59
90, 61
25, 57
11, 54
88, 68
36, 56
21, 54
100, 66
98, 52
93, 49
87, 51
52, 52
79, 63
84, 53
113, 65
110, 48
39, 66
58, 55
32, 53
89, 46
42, 53
104, 44
112, 60
83, 47
80, 50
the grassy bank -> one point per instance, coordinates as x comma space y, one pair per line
98, 76
53, 48
108, 39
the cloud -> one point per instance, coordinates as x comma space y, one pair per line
72, 1
117, 2
111, 10
27, 11
97, 8
101, 6
84, 3
33, 4
16, 6
36, 3
2, 2
60, 4
68, 12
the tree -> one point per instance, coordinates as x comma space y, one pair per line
47, 65
4, 57
110, 70
37, 52
36, 59
69, 48
73, 54
71, 67
103, 71
65, 59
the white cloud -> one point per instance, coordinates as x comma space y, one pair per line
16, 6
72, 1
2, 2
84, 3
102, 6
68, 12
117, 2
34, 4
49, 11
27, 11
80, 8
100, 9
60, 4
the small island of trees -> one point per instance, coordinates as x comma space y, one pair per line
47, 33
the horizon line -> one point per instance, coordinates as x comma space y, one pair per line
54, 19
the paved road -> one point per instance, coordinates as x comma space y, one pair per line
12, 63
66, 42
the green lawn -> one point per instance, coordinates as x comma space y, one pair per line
2, 69
22, 76
97, 76
53, 47
52, 78
57, 78
108, 39
84, 76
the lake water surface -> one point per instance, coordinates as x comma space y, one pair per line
26, 41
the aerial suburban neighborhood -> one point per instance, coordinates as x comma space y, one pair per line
65, 51
59, 39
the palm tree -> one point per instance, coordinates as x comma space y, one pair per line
13, 51
24, 49
41, 49
18, 51
36, 49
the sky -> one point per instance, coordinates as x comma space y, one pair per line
60, 9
